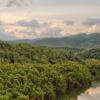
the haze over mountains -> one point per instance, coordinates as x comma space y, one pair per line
73, 41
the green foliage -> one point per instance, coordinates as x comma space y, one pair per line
4, 97
41, 81
90, 54
27, 53
94, 67
28, 72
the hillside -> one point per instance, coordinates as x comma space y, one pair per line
75, 41
45, 73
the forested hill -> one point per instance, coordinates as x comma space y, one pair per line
27, 53
29, 72
75, 41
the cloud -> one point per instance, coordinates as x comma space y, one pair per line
93, 25
31, 33
51, 32
90, 22
5, 35
18, 3
12, 3
24, 29
33, 23
69, 23
94, 28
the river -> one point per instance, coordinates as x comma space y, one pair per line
93, 93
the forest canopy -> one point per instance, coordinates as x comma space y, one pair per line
30, 72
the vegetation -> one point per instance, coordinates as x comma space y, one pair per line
27, 53
39, 82
94, 67
29, 72
75, 41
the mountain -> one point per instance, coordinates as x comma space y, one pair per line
74, 41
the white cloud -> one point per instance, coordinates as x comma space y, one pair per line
94, 28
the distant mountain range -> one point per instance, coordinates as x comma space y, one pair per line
73, 41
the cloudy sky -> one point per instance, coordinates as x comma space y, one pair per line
29, 19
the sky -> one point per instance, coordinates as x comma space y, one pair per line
30, 19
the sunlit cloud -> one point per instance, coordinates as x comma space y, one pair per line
6, 35
93, 25
31, 29
94, 28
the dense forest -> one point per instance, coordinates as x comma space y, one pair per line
29, 72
